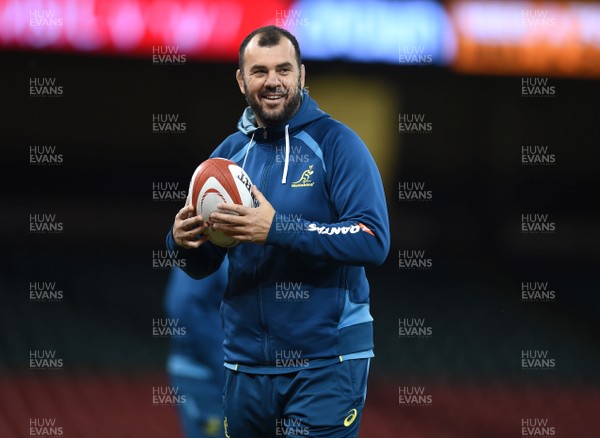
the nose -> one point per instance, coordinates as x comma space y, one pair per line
272, 80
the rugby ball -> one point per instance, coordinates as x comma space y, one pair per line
217, 181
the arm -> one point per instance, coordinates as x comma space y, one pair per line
361, 234
200, 261
202, 258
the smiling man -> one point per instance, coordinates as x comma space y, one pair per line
298, 331
274, 78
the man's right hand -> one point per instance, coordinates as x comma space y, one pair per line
188, 227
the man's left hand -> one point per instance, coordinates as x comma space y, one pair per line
250, 224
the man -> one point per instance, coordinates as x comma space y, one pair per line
298, 332
195, 363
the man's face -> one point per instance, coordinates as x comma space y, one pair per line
271, 81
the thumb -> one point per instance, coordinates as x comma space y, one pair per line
258, 195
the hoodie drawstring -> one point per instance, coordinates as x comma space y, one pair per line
287, 155
248, 150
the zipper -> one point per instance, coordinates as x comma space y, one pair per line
264, 189
345, 293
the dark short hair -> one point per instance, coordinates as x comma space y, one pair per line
269, 37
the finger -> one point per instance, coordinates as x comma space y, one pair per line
227, 230
195, 232
192, 223
183, 238
226, 219
239, 209
181, 234
240, 237
185, 212
192, 244
191, 211
258, 195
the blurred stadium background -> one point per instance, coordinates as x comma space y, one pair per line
484, 81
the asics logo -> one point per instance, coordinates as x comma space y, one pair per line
350, 418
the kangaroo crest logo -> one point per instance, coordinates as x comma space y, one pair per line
305, 180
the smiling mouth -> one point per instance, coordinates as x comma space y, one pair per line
274, 98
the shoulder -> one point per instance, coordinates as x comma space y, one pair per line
331, 132
334, 137
232, 145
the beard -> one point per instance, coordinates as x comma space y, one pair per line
274, 118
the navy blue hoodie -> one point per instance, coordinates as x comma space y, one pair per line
304, 293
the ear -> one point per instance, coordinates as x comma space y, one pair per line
302, 75
240, 81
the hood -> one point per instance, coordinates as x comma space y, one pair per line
307, 113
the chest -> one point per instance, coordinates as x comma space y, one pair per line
305, 192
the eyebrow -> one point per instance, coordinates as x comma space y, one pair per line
263, 67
